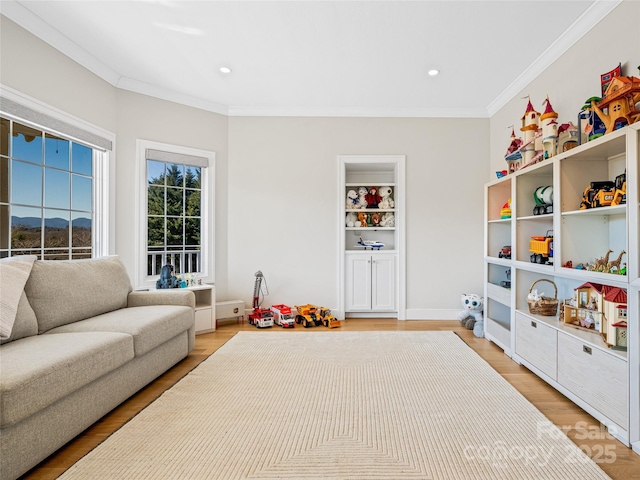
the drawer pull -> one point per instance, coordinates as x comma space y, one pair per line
586, 349
534, 324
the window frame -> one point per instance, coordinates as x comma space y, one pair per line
207, 240
103, 198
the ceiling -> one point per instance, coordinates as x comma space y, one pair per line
318, 58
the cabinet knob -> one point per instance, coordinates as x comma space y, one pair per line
534, 324
586, 349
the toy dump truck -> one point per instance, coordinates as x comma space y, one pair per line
328, 320
282, 316
308, 316
541, 249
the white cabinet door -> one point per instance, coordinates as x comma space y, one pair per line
383, 285
358, 283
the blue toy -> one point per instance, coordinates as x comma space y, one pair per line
167, 278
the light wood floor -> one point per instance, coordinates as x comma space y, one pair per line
618, 461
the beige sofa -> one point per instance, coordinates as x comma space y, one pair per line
82, 342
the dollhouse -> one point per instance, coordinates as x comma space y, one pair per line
620, 99
600, 308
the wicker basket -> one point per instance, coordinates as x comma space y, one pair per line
545, 306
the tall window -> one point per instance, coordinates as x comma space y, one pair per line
46, 194
176, 214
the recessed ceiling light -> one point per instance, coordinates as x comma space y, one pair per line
225, 69
433, 72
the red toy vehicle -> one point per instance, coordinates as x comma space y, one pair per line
505, 252
283, 316
260, 317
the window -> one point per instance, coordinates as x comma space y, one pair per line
47, 191
176, 211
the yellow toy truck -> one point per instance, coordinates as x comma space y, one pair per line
328, 320
541, 249
307, 315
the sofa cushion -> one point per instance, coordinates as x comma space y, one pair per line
25, 323
62, 292
150, 326
37, 371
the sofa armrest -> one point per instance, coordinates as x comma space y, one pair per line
162, 297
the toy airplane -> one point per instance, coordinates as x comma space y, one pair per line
369, 244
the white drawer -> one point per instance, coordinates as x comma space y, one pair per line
537, 343
499, 294
596, 376
204, 320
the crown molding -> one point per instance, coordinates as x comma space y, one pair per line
137, 86
589, 19
24, 17
17, 12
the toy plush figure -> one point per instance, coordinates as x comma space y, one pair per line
373, 198
385, 195
362, 197
375, 219
167, 278
351, 219
362, 218
352, 199
471, 313
387, 220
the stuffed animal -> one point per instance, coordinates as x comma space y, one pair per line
362, 217
387, 220
352, 199
385, 194
375, 219
351, 219
471, 313
373, 198
167, 278
362, 197
478, 329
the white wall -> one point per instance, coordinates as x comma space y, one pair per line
283, 199
36, 69
39, 71
148, 118
574, 77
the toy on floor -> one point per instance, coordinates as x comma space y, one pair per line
260, 317
472, 310
282, 315
328, 320
307, 315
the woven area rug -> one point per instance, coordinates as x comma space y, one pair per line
329, 404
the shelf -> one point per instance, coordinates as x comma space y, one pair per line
369, 184
369, 228
615, 210
576, 361
538, 218
358, 210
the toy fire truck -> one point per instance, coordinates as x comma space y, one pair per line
260, 317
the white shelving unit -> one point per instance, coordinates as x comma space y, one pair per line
371, 282
205, 314
603, 381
